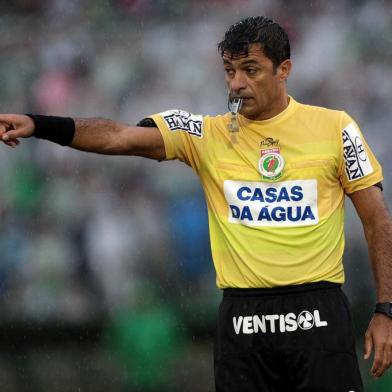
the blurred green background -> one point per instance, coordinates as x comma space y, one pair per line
106, 278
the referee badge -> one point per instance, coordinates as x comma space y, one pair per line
271, 164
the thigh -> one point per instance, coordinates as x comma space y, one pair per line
255, 372
243, 361
324, 371
324, 359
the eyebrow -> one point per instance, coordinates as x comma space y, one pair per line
250, 61
245, 62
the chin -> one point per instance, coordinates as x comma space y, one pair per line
248, 114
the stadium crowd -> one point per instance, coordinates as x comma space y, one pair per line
123, 242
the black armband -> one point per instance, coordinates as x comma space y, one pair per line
147, 122
60, 130
379, 185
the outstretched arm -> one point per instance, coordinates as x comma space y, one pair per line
377, 224
97, 135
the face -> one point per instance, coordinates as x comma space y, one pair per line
254, 79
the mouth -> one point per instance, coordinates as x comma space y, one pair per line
236, 102
239, 97
246, 99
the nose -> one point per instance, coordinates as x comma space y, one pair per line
237, 83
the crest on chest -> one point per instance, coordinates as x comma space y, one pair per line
271, 162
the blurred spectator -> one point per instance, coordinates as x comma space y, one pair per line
147, 339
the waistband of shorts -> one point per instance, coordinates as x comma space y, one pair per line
261, 292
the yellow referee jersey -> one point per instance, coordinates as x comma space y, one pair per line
274, 190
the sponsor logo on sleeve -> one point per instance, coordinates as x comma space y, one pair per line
180, 120
357, 162
284, 204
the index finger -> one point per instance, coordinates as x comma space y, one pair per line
9, 118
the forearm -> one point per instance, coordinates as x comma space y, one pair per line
97, 135
100, 135
379, 238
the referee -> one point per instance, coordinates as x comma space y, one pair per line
275, 173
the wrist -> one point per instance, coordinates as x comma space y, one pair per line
60, 130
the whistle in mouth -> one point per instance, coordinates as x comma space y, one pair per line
235, 106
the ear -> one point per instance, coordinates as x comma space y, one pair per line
284, 69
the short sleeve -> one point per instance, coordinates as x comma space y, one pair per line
182, 134
359, 167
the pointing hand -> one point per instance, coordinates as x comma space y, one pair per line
15, 126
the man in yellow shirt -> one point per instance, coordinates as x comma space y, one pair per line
275, 173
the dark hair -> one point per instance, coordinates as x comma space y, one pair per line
256, 29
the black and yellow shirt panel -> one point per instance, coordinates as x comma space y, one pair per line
284, 231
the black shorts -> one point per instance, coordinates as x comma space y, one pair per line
296, 338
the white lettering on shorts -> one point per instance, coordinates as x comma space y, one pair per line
286, 203
278, 323
356, 160
180, 120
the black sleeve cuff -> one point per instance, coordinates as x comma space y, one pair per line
60, 130
147, 122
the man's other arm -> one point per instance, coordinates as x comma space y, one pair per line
377, 225
97, 135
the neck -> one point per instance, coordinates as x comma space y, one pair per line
281, 105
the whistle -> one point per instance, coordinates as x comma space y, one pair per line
234, 107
